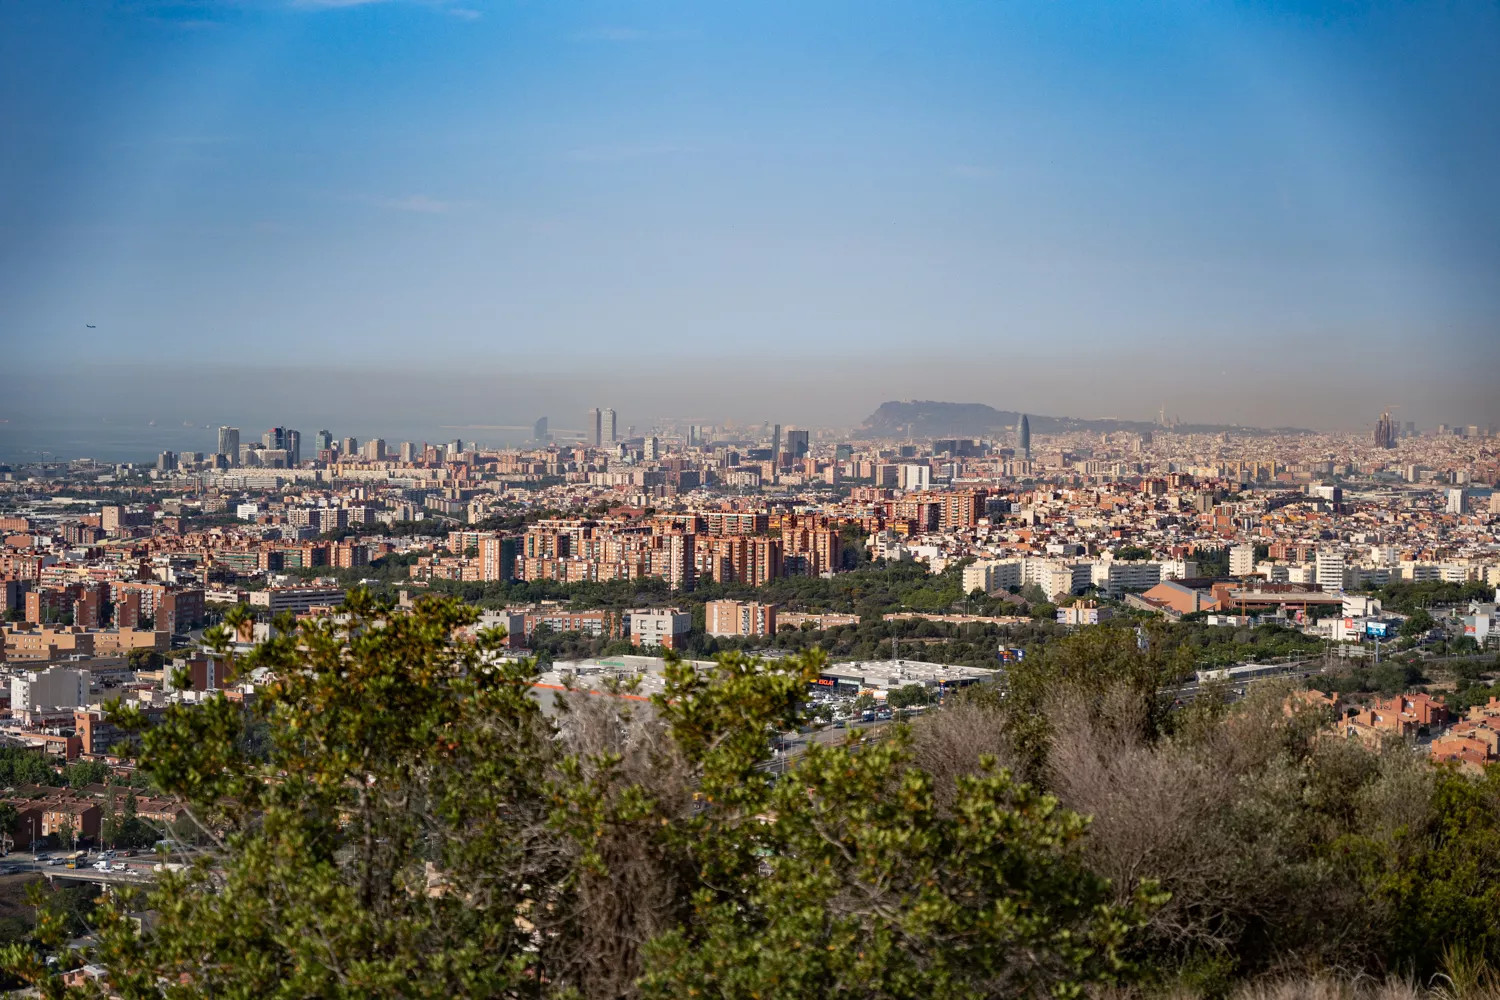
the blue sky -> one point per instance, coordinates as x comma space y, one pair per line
1269, 212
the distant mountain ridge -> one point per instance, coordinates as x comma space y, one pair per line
934, 419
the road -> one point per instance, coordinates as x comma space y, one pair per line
140, 870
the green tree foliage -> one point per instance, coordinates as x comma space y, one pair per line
144, 659
908, 696
8, 820
1406, 597
1417, 624
1442, 877
868, 888
25, 767
1213, 560
86, 772
418, 827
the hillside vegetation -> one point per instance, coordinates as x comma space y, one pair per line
413, 824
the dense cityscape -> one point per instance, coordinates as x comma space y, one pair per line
701, 538
1360, 572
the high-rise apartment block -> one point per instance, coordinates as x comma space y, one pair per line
593, 427
731, 618
1329, 571
610, 432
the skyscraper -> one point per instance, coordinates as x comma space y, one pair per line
350, 447
292, 442
592, 428
539, 432
610, 431
796, 443
275, 438
1023, 438
229, 444
776, 443
323, 441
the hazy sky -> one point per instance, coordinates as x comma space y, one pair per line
1262, 212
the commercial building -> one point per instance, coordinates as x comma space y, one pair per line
882, 676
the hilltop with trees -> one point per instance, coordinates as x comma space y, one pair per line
410, 822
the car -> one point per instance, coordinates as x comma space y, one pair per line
54, 862
44, 856
101, 866
119, 866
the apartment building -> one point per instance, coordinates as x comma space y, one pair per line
297, 600
55, 687
658, 627
732, 618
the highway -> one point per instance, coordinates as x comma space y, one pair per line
139, 870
